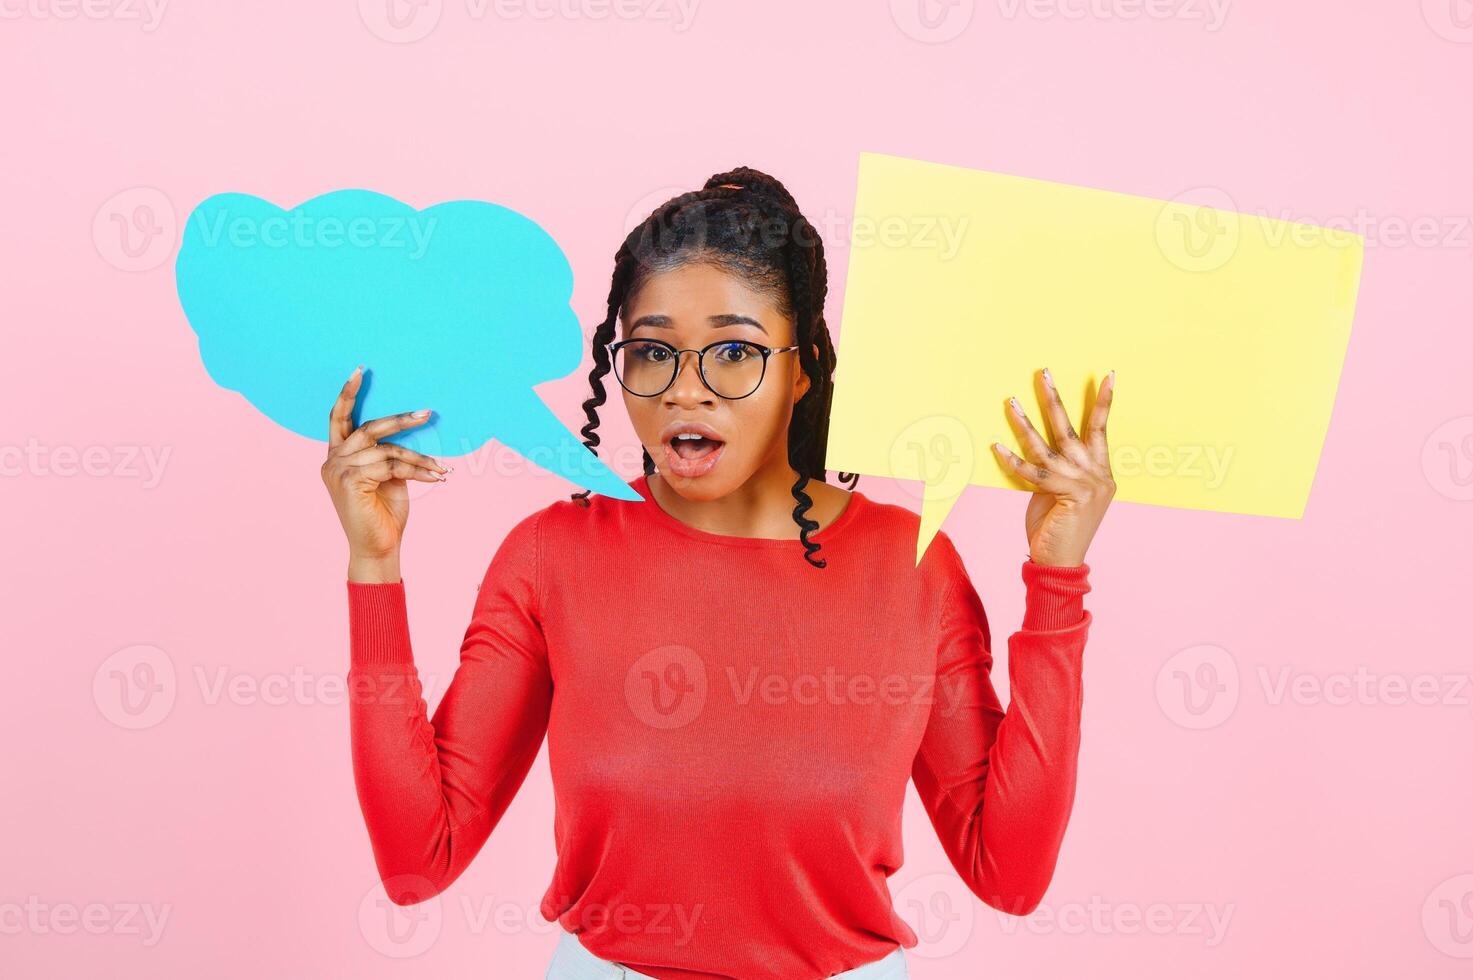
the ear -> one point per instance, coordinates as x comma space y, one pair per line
802, 383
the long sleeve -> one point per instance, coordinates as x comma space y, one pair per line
999, 785
432, 791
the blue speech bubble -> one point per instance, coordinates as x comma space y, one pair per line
461, 308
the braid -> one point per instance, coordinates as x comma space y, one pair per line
801, 443
719, 224
602, 337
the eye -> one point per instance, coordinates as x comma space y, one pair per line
734, 353
653, 353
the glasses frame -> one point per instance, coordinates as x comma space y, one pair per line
766, 352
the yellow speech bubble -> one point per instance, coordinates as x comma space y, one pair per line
1227, 332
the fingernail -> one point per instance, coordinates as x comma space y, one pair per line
1016, 407
422, 413
1112, 376
357, 371
1048, 377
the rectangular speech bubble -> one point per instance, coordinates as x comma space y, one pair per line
1227, 332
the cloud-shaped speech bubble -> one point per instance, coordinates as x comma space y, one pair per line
462, 308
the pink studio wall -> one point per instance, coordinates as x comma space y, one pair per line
1278, 713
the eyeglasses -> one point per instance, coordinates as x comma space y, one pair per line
730, 368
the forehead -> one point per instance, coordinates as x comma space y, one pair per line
688, 295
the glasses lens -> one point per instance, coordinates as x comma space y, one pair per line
645, 367
734, 370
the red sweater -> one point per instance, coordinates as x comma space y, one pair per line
730, 733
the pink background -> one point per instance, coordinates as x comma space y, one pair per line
1332, 838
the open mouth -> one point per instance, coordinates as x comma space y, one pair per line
691, 454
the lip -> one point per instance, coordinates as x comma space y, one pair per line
689, 469
699, 428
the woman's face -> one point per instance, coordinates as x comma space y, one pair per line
690, 307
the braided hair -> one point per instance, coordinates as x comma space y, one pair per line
746, 223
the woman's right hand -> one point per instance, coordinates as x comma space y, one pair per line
366, 480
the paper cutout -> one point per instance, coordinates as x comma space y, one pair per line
460, 308
1227, 333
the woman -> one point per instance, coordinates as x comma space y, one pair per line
738, 675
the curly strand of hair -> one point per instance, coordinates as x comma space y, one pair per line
808, 524
602, 337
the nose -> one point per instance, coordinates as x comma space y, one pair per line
688, 388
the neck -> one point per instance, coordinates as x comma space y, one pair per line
762, 507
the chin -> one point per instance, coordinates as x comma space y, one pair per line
701, 488
722, 480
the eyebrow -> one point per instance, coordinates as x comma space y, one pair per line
719, 320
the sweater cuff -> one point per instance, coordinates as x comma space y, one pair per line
1055, 595
378, 624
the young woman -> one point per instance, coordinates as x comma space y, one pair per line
738, 675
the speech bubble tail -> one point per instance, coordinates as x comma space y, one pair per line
933, 512
530, 428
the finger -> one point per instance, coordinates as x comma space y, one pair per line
1065, 437
1094, 429
1035, 446
340, 419
384, 470
369, 433
1036, 474
389, 450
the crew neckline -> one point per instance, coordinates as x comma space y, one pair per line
826, 535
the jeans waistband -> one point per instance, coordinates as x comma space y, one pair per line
571, 960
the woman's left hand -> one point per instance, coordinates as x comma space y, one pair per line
1073, 480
